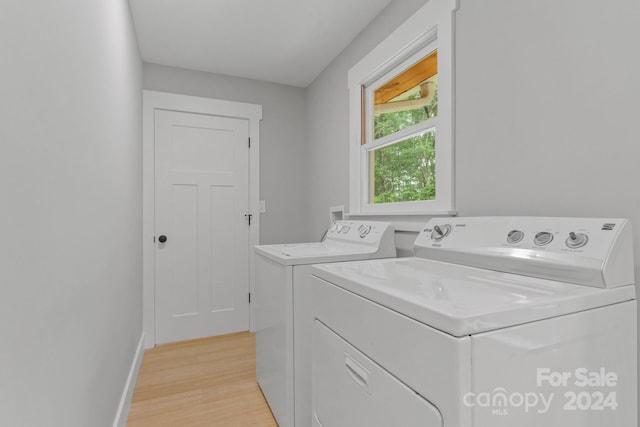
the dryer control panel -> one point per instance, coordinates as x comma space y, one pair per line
588, 251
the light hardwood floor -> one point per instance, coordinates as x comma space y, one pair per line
206, 382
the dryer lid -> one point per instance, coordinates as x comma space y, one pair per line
461, 300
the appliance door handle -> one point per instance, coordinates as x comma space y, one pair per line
358, 373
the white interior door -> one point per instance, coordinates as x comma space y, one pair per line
201, 199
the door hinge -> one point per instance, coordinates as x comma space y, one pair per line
249, 142
248, 216
249, 297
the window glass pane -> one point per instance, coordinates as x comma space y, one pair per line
404, 171
409, 98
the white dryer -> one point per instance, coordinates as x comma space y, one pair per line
281, 300
496, 322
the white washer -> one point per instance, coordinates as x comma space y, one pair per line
282, 308
495, 322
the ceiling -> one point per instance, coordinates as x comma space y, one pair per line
280, 41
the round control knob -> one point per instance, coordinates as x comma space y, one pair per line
345, 229
440, 232
576, 240
162, 239
366, 230
514, 236
543, 238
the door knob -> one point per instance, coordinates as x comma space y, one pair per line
162, 239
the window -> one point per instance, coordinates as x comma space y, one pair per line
402, 145
401, 148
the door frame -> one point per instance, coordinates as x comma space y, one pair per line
152, 101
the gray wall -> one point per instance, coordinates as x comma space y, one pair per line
546, 110
283, 144
70, 216
328, 118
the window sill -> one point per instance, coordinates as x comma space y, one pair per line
403, 221
407, 214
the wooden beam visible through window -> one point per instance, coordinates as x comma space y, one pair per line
426, 68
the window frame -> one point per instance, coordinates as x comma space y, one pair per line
431, 27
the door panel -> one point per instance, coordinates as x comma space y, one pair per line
183, 241
201, 174
222, 201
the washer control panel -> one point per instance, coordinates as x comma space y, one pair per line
578, 250
361, 232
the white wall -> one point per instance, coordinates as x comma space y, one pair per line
70, 210
283, 145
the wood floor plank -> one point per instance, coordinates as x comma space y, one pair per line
208, 382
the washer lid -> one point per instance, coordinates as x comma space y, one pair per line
346, 241
462, 300
310, 253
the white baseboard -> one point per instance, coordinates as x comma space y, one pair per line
129, 387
